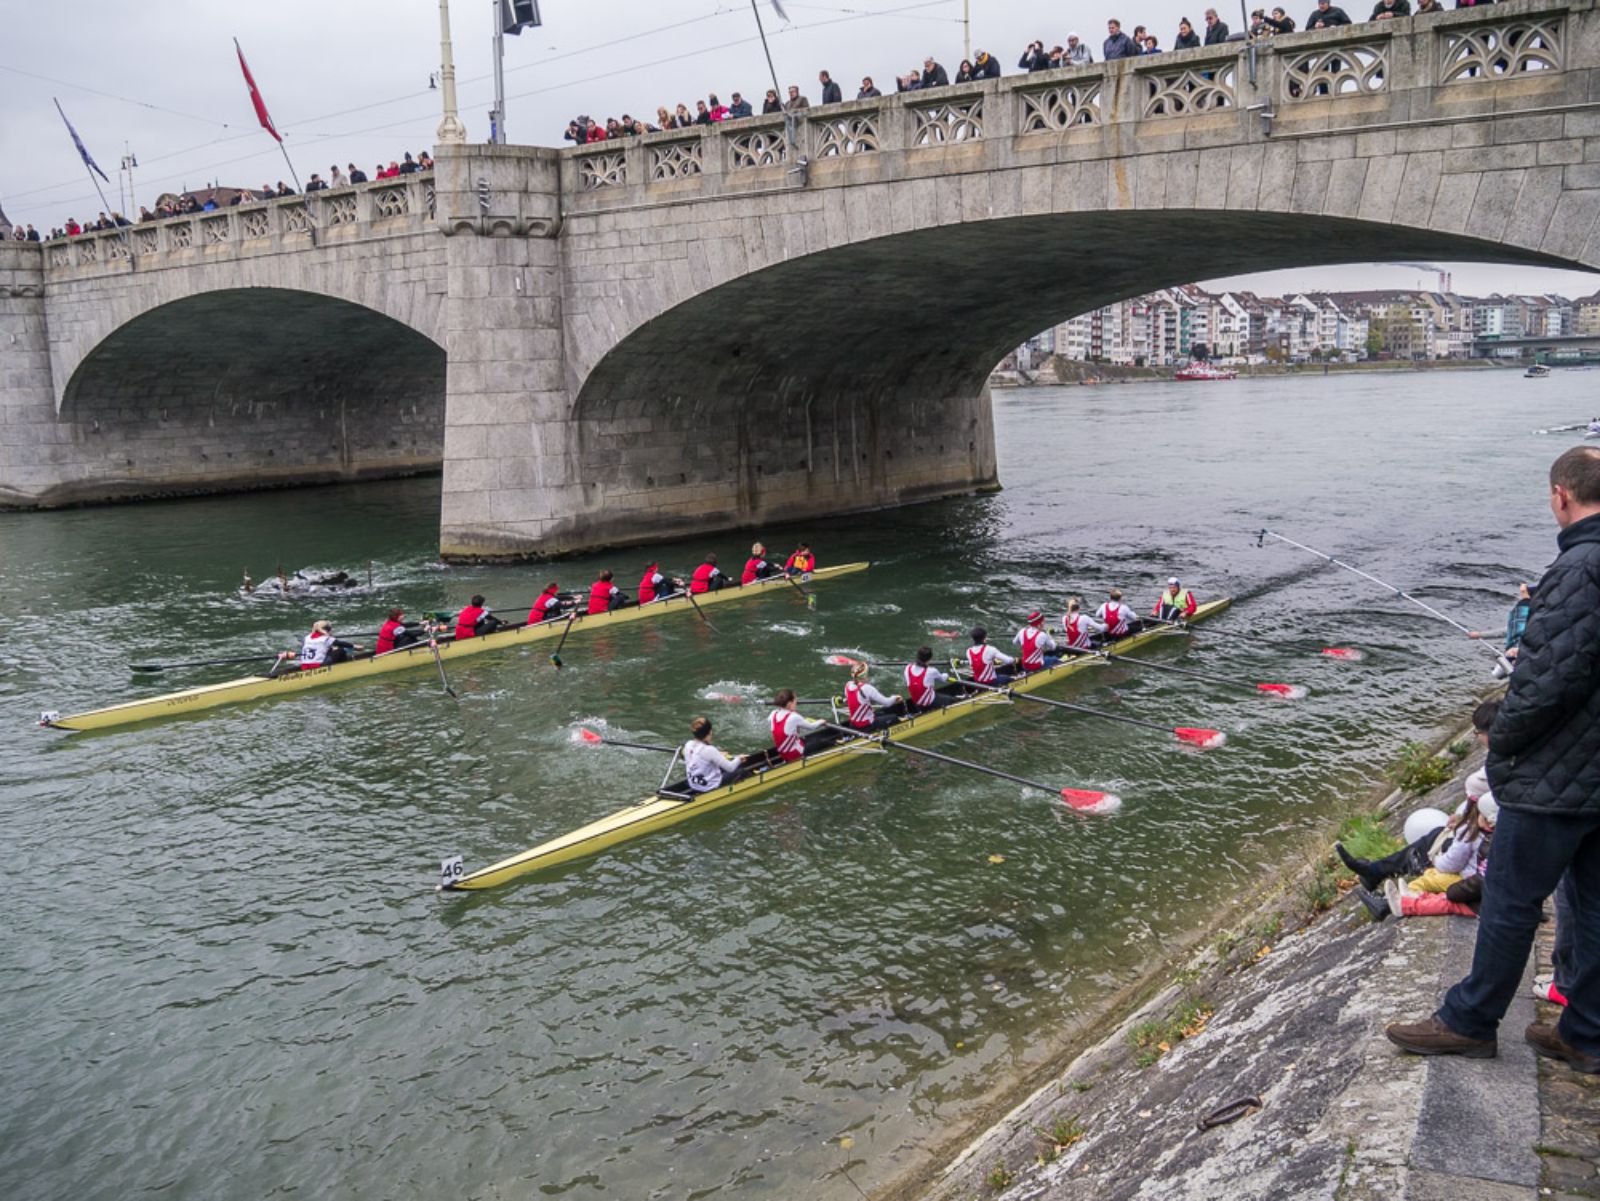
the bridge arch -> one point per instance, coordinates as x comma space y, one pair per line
252, 387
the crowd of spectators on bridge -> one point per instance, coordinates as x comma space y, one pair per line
206, 200
1264, 23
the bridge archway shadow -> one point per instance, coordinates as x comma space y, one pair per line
254, 387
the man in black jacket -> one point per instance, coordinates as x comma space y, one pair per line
933, 75
1326, 15
830, 90
1544, 768
1216, 28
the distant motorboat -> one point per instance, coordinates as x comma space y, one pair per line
1594, 429
1537, 371
1205, 371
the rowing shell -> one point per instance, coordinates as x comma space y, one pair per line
657, 812
419, 655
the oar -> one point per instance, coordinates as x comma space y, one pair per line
1332, 652
1190, 628
733, 698
1193, 735
1078, 798
555, 655
198, 663
811, 597
433, 645
591, 736
689, 592
1291, 692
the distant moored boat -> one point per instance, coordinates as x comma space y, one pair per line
1205, 371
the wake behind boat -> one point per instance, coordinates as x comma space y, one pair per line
672, 805
419, 655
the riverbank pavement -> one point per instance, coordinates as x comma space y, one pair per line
1287, 1030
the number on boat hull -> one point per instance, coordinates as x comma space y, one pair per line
450, 871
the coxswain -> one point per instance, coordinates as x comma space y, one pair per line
789, 728
707, 577
707, 767
322, 649
475, 620
656, 586
863, 702
802, 562
604, 596
1080, 629
923, 680
1035, 642
547, 605
1118, 619
1176, 603
756, 566
983, 660
394, 633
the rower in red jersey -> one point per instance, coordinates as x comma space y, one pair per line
604, 596
475, 620
1118, 619
708, 577
802, 562
394, 634
983, 660
1035, 642
789, 728
1177, 603
1080, 629
656, 586
923, 680
547, 605
864, 704
756, 566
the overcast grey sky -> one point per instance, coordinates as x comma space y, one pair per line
347, 81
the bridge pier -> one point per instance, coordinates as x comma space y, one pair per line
28, 429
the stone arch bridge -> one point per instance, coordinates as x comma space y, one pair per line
687, 331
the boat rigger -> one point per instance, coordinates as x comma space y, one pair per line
421, 655
664, 809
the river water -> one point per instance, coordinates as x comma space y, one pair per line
226, 973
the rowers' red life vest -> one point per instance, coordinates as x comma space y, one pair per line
702, 577
862, 715
922, 693
752, 570
647, 586
978, 660
600, 596
467, 622
790, 747
1117, 618
1032, 653
542, 607
1077, 632
386, 633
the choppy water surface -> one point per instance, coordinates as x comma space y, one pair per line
224, 959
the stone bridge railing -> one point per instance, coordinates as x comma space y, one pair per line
1523, 55
381, 209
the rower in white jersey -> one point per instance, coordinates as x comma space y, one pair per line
707, 767
1035, 642
923, 681
983, 660
1118, 619
1080, 629
789, 729
862, 701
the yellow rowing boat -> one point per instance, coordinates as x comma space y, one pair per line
260, 687
658, 812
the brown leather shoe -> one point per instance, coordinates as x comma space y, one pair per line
1545, 1039
1433, 1037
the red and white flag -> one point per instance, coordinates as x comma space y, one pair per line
255, 96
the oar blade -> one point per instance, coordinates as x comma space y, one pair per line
1085, 800
1287, 692
1198, 736
590, 737
841, 661
1345, 654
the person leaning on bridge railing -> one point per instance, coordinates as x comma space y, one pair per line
1326, 16
1388, 10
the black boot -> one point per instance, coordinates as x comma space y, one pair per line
1377, 906
1363, 868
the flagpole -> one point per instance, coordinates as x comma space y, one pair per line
106, 204
499, 74
451, 131
790, 121
767, 50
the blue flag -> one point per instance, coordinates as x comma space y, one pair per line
83, 152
